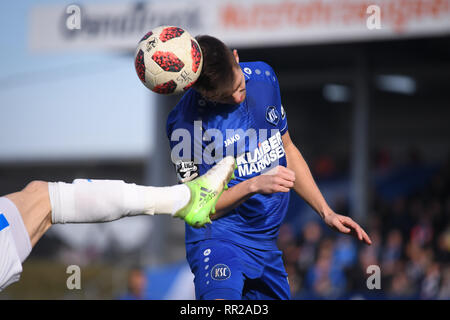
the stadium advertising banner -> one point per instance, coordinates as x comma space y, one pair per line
250, 23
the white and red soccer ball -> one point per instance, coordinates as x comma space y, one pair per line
168, 60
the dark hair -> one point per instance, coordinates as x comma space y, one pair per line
217, 71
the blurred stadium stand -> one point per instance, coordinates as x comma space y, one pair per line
408, 182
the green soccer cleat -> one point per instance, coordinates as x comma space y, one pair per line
206, 191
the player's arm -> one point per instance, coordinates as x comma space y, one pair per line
306, 188
280, 179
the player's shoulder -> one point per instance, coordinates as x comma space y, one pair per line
258, 71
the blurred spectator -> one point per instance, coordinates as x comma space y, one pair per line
444, 292
422, 232
290, 256
345, 253
295, 281
136, 285
324, 278
401, 287
392, 251
411, 244
312, 233
418, 262
285, 236
443, 246
357, 274
430, 284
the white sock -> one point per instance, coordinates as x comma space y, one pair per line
85, 201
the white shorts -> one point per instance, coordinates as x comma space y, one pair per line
15, 245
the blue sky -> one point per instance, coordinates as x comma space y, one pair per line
67, 105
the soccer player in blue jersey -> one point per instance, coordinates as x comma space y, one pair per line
235, 109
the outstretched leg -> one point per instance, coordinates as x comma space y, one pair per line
26, 215
42, 204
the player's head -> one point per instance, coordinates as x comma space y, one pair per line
137, 281
221, 79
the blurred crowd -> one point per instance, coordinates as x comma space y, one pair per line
411, 247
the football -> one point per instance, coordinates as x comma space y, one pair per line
168, 60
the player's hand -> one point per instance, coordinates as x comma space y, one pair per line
346, 225
279, 179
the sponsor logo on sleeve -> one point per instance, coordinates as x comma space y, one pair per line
186, 170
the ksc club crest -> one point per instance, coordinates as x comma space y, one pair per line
220, 272
272, 115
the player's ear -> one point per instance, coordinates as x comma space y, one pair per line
236, 56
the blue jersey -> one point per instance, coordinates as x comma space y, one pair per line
202, 132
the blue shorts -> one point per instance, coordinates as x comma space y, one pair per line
225, 270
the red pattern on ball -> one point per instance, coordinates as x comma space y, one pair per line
140, 65
147, 35
170, 33
168, 61
196, 55
187, 87
165, 88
